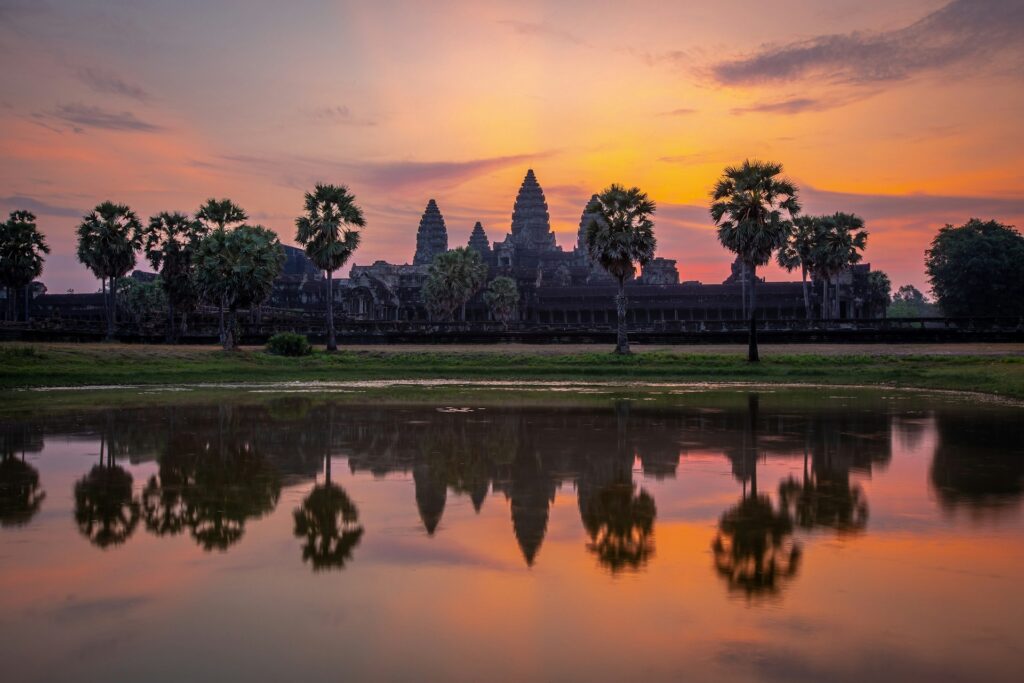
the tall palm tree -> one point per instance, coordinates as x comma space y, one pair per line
330, 233
798, 252
220, 214
753, 208
21, 256
502, 298
620, 236
238, 268
169, 241
841, 241
107, 241
452, 280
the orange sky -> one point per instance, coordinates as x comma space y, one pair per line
906, 112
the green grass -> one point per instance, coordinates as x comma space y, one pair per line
70, 365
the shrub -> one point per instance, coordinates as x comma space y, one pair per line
289, 344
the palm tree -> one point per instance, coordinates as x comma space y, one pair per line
169, 241
21, 256
105, 511
798, 252
748, 206
620, 236
452, 280
330, 233
620, 523
841, 240
329, 522
502, 298
107, 241
220, 214
238, 268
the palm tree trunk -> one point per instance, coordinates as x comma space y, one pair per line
170, 321
743, 287
332, 341
807, 297
111, 303
220, 321
229, 330
28, 302
752, 355
621, 339
10, 300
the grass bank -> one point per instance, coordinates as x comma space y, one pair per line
50, 365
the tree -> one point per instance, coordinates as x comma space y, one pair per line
976, 269
798, 252
879, 294
841, 241
620, 237
107, 241
452, 280
750, 205
502, 298
169, 242
20, 494
909, 302
328, 520
142, 301
238, 268
620, 523
330, 234
105, 511
21, 256
220, 214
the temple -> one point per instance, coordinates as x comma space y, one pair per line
565, 287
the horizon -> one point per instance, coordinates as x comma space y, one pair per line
872, 110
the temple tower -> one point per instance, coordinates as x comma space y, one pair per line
581, 236
478, 240
531, 225
431, 237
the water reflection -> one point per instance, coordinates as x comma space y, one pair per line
20, 494
217, 469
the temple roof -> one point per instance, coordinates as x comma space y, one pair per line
531, 224
581, 236
431, 237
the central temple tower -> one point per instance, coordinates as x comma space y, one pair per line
431, 237
531, 225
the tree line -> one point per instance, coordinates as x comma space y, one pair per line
216, 257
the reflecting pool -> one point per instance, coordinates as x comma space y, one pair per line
468, 534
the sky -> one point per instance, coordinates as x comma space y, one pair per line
906, 112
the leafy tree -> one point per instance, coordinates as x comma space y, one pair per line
142, 301
841, 241
753, 208
238, 268
977, 269
21, 256
107, 241
502, 298
620, 237
798, 252
220, 214
879, 294
169, 242
20, 493
909, 302
753, 550
452, 280
329, 231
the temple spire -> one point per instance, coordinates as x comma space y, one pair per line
431, 237
531, 224
478, 240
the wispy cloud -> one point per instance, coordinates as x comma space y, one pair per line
338, 115
531, 28
36, 206
959, 32
108, 83
791, 106
682, 111
87, 116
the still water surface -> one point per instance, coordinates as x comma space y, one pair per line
640, 535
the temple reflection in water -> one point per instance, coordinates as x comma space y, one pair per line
216, 470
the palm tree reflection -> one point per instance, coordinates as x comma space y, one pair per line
620, 523
329, 522
105, 510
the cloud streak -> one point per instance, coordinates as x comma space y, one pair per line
107, 83
960, 32
87, 116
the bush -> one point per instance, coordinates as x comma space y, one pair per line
289, 344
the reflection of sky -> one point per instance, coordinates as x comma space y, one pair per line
874, 108
462, 605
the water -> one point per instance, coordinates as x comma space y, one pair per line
469, 535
